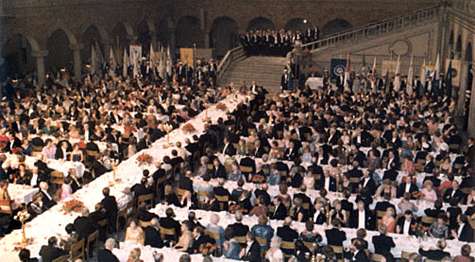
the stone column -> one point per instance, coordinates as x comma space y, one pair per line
471, 113
40, 65
77, 64
462, 87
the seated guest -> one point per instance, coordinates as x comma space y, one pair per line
406, 224
169, 222
186, 238
465, 254
439, 229
134, 255
361, 235
134, 233
274, 253
238, 229
216, 231
309, 235
428, 193
152, 235
143, 215
253, 250
83, 225
200, 241
192, 221
335, 236
141, 188
406, 205
47, 199
408, 185
360, 254
70, 239
51, 251
454, 193
435, 254
464, 231
361, 217
263, 231
383, 244
389, 221
106, 254
24, 256
287, 234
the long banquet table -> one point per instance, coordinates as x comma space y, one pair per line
21, 194
53, 221
403, 242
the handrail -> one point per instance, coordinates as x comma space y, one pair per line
386, 25
227, 59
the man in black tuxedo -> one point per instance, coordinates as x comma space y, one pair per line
327, 182
170, 223
200, 239
383, 244
83, 225
238, 229
287, 234
454, 193
141, 188
106, 254
51, 251
46, 197
406, 224
360, 254
408, 185
362, 217
335, 236
228, 148
110, 206
152, 235
435, 254
367, 183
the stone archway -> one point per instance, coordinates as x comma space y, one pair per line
92, 36
60, 54
458, 47
335, 26
17, 53
121, 36
297, 24
189, 32
144, 36
260, 23
163, 32
224, 35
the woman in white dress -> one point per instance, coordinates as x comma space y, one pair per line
134, 233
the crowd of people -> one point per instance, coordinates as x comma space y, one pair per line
337, 158
93, 124
275, 42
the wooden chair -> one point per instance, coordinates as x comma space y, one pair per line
6, 207
309, 245
167, 233
144, 224
378, 258
125, 213
427, 220
262, 241
241, 239
287, 245
405, 255
147, 199
338, 250
213, 235
61, 259
222, 200
180, 193
201, 199
57, 178
91, 242
77, 250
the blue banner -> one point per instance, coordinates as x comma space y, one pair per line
337, 67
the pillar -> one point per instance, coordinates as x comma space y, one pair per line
77, 64
40, 65
462, 87
471, 113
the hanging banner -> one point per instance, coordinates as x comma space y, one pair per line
388, 66
135, 52
338, 67
456, 70
186, 56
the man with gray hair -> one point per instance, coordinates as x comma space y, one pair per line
106, 254
238, 229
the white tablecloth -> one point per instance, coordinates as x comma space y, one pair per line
403, 242
53, 221
169, 254
21, 194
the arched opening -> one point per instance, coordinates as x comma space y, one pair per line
92, 37
18, 59
468, 85
189, 33
451, 44
260, 23
224, 35
163, 32
335, 26
60, 54
297, 24
120, 37
458, 47
144, 36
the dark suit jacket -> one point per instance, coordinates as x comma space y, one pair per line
361, 256
152, 237
402, 187
84, 227
105, 255
230, 150
254, 253
321, 184
335, 237
238, 229
47, 203
459, 195
48, 253
383, 244
434, 254
110, 205
369, 219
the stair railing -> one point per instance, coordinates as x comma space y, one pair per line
227, 60
386, 26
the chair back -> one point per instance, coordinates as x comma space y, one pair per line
337, 249
427, 220
287, 245
91, 241
167, 232
77, 250
240, 239
61, 259
378, 258
213, 234
222, 198
6, 207
57, 177
245, 169
262, 241
144, 224
309, 245
147, 199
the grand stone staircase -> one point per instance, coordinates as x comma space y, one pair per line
265, 70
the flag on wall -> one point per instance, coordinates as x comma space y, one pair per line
93, 60
410, 72
423, 72
397, 77
436, 72
337, 67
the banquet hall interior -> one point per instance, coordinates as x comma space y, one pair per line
252, 130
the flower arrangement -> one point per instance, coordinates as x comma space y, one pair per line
188, 128
73, 205
221, 106
144, 159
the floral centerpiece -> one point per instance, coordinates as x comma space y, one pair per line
188, 128
144, 159
222, 107
73, 205
23, 216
